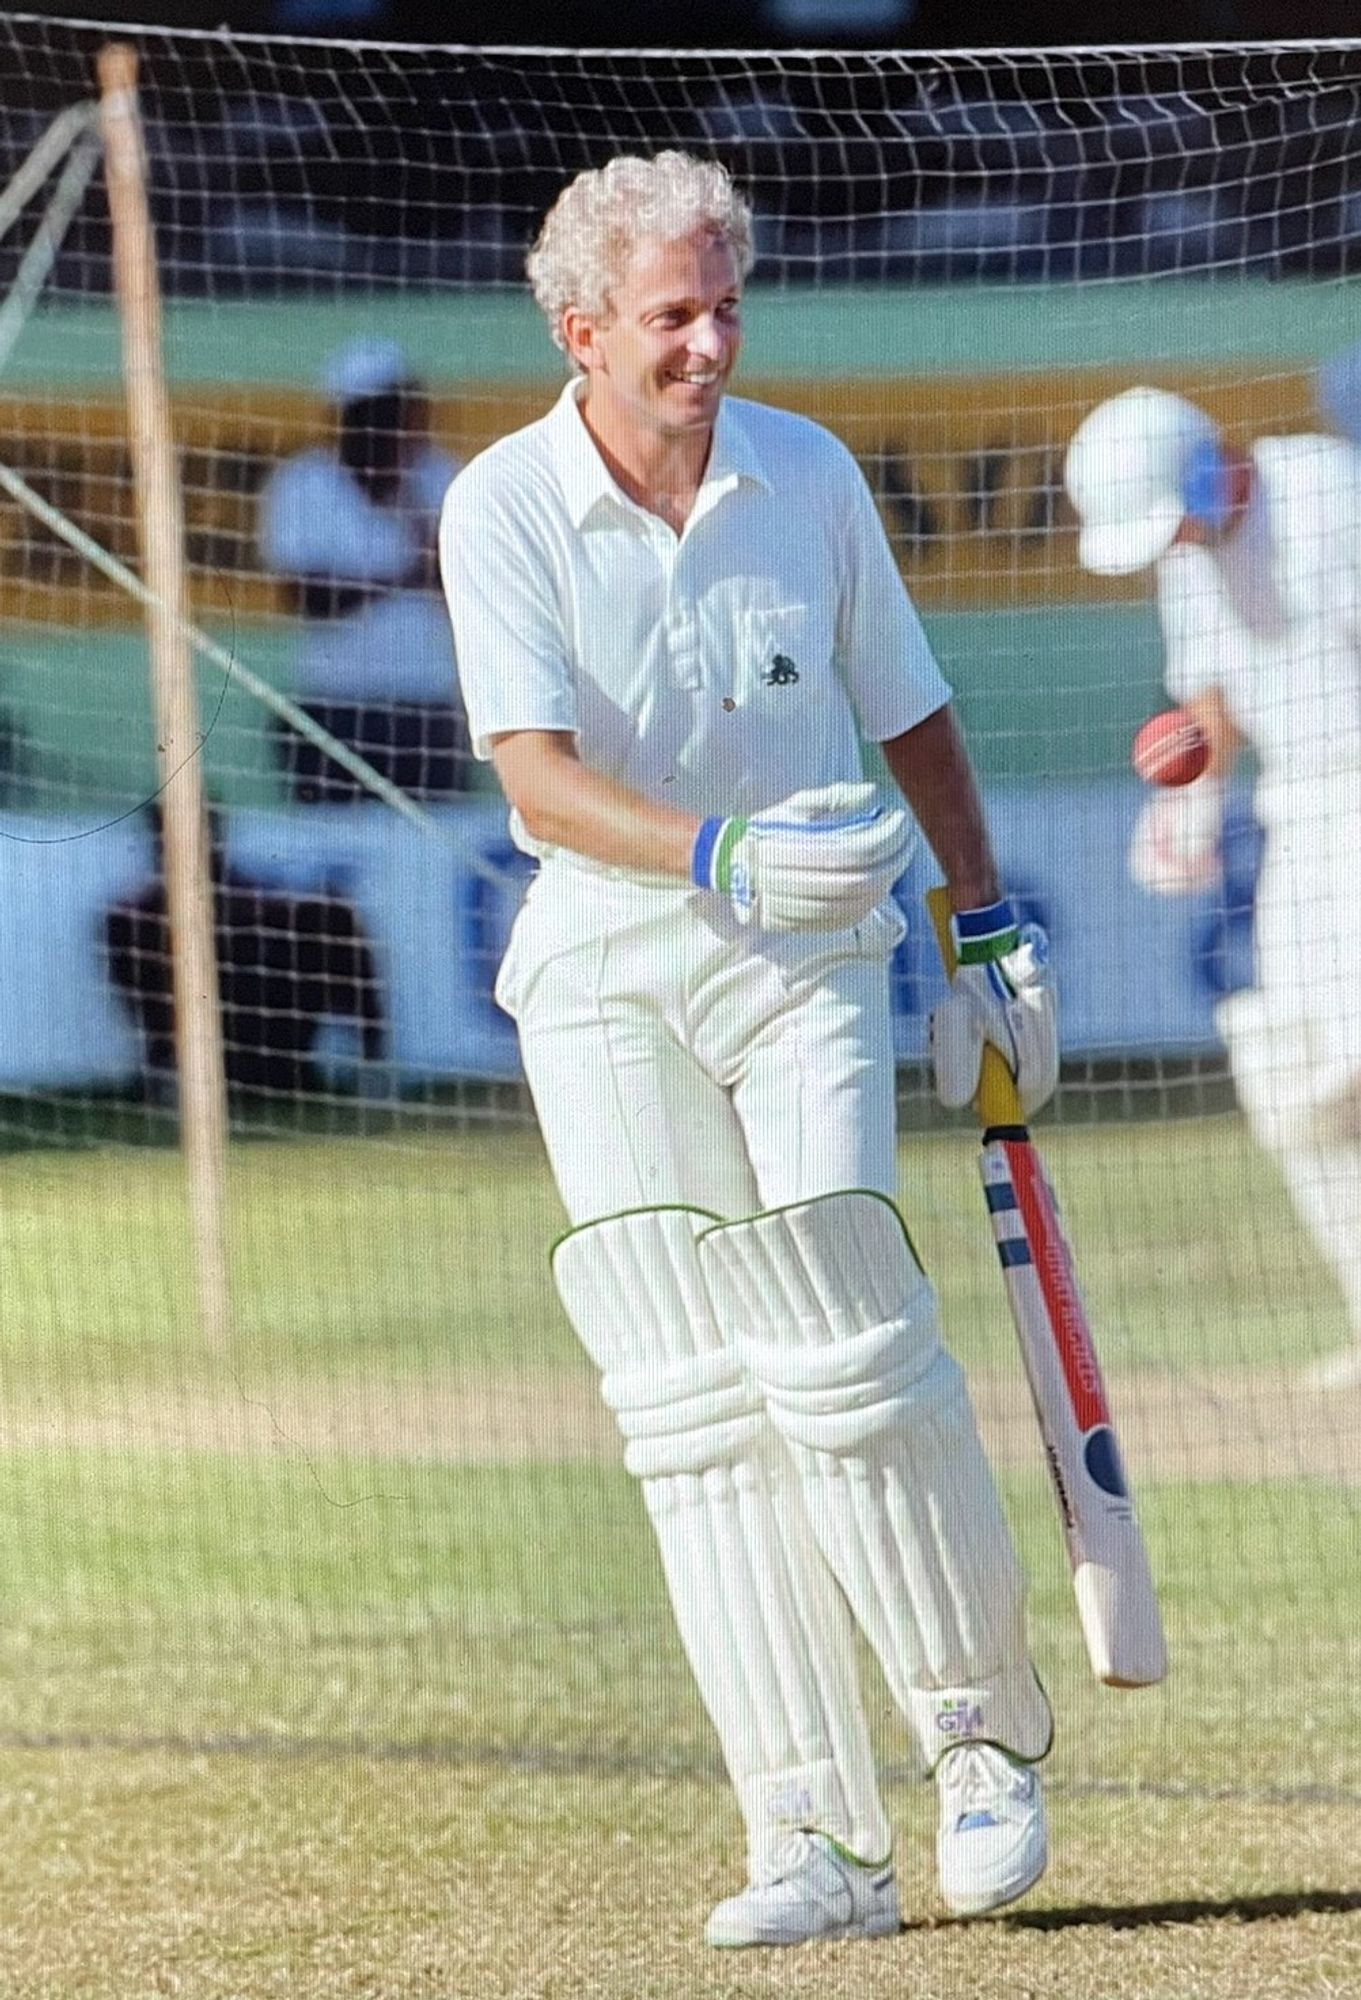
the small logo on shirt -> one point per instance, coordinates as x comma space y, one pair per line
783, 672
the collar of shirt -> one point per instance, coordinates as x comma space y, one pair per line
586, 479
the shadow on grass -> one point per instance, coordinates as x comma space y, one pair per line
1282, 1906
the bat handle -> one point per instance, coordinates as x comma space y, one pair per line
996, 1100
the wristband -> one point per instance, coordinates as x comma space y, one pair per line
701, 860
711, 858
980, 936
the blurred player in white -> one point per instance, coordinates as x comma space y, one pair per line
673, 613
1258, 557
351, 526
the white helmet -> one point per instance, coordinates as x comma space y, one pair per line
1126, 472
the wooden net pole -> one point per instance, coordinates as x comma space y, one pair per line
160, 521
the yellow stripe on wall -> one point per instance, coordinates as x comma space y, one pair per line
967, 470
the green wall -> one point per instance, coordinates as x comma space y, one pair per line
1050, 693
835, 331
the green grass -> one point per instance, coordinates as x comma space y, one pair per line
341, 1664
408, 1253
400, 1607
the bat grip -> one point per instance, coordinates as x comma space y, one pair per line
996, 1101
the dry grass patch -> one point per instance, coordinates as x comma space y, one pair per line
1210, 1424
233, 1878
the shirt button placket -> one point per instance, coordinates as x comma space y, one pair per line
682, 633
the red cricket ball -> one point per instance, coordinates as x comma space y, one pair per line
1170, 749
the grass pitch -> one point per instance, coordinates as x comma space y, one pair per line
341, 1664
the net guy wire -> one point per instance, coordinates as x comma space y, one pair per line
71, 133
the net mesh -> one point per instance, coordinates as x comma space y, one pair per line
380, 1515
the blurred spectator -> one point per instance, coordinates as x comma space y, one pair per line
288, 965
351, 529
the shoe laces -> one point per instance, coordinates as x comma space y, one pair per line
789, 1856
972, 1786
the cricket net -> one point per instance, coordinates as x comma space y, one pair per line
385, 1505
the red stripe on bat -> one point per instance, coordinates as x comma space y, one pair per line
1054, 1268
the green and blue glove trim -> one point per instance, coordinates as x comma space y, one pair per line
711, 857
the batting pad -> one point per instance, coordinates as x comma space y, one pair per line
767, 1633
831, 1314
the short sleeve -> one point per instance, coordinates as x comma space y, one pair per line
890, 670
504, 606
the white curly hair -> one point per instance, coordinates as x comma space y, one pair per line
591, 230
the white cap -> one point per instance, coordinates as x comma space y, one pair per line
368, 366
1125, 471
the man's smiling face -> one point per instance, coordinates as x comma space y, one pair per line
658, 360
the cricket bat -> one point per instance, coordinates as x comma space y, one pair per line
1116, 1603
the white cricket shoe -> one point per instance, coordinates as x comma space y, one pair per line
823, 1892
991, 1845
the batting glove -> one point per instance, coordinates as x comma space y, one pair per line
821, 860
1002, 994
1174, 848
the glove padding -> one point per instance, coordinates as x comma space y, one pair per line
1174, 848
820, 860
1011, 1003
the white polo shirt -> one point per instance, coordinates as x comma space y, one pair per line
719, 670
1272, 618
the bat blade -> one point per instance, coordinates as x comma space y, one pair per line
1116, 1602
1112, 1582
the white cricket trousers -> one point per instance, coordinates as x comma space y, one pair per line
1294, 1039
676, 1056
